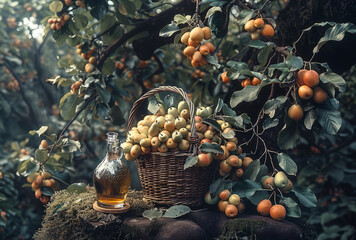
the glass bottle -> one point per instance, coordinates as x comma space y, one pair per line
111, 177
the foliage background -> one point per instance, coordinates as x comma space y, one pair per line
29, 60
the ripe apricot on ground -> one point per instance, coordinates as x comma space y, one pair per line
197, 34
277, 212
305, 92
295, 112
311, 78
224, 195
224, 77
259, 23
320, 96
231, 211
264, 207
250, 26
267, 31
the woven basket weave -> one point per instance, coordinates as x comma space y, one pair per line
163, 178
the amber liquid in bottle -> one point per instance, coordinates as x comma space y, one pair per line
111, 177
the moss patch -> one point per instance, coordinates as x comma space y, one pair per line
71, 216
240, 228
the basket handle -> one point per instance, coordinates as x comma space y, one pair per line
194, 135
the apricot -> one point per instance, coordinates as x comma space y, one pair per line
231, 211
207, 32
259, 23
185, 37
250, 26
277, 212
295, 112
320, 96
311, 78
203, 160
222, 205
305, 92
264, 207
197, 34
224, 195
267, 31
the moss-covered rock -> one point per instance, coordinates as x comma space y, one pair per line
71, 216
241, 227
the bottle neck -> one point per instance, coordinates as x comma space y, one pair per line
113, 150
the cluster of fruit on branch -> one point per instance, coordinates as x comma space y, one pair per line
43, 179
255, 81
58, 23
257, 27
90, 66
196, 50
308, 81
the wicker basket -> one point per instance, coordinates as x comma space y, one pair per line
163, 179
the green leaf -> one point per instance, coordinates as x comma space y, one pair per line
335, 79
229, 135
210, 147
130, 6
306, 197
77, 187
309, 119
287, 164
80, 20
168, 30
252, 170
152, 213
177, 211
153, 106
108, 67
293, 209
335, 33
330, 120
248, 93
27, 167
216, 187
219, 105
41, 155
180, 19
211, 11
258, 196
257, 44
262, 56
244, 16
288, 136
270, 123
212, 123
212, 60
190, 162
294, 62
56, 6
228, 111
47, 191
69, 106
40, 131
246, 188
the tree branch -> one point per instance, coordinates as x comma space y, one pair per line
153, 25
22, 92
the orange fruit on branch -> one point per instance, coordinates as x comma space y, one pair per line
263, 207
277, 212
267, 31
320, 96
250, 26
305, 92
295, 112
300, 77
311, 78
259, 23
197, 34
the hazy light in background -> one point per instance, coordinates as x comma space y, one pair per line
37, 30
